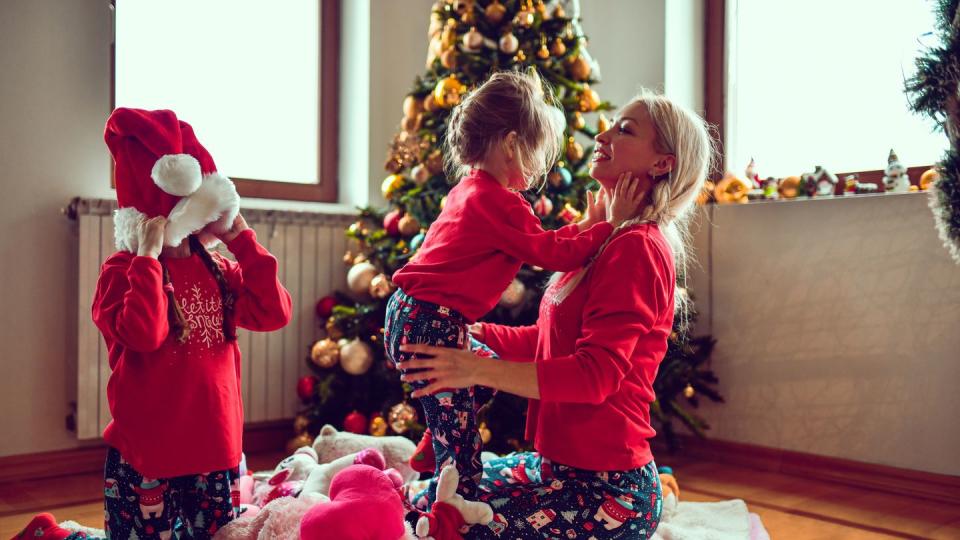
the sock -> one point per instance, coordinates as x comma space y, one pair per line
43, 526
423, 459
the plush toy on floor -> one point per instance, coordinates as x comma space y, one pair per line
331, 444
451, 513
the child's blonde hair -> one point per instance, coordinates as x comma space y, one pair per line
685, 135
507, 101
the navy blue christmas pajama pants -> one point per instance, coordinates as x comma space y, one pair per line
451, 415
193, 506
533, 498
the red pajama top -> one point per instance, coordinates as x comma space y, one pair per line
176, 407
478, 243
597, 354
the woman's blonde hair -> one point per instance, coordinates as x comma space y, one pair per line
507, 101
686, 136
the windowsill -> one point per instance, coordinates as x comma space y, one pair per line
823, 198
298, 206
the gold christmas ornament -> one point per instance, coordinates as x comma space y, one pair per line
472, 40
390, 185
300, 424
443, 202
409, 225
380, 286
485, 434
578, 122
301, 440
579, 68
411, 106
603, 123
689, 392
325, 353
348, 258
448, 37
495, 12
525, 17
928, 177
509, 43
378, 426
356, 357
558, 48
430, 104
359, 258
520, 57
543, 53
333, 329
448, 91
513, 295
589, 99
559, 13
574, 150
360, 276
448, 59
420, 174
401, 417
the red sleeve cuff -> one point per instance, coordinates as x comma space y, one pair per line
243, 244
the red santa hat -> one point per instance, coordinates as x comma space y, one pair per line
163, 170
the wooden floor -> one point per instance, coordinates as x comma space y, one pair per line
790, 507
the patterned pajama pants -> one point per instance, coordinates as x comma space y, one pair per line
193, 506
533, 498
451, 415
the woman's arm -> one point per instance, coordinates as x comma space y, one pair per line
457, 368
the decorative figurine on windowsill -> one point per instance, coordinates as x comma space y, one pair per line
819, 183
895, 177
771, 188
852, 185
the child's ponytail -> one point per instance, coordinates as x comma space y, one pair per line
178, 323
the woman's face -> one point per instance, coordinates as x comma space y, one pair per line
629, 145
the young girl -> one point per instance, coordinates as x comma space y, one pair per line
504, 136
168, 310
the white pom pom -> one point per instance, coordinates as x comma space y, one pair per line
177, 174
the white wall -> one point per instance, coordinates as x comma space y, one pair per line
836, 323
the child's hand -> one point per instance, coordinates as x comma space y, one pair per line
150, 237
596, 209
625, 200
239, 225
476, 330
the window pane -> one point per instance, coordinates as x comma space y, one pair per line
243, 73
820, 82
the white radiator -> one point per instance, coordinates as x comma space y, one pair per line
309, 248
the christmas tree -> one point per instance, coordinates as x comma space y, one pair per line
353, 386
933, 92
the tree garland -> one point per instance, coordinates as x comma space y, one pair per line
933, 92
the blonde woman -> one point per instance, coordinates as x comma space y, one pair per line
589, 363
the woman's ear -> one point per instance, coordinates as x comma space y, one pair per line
663, 166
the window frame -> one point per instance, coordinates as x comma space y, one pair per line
326, 187
716, 64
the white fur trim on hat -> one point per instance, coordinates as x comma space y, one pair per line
177, 174
126, 222
214, 202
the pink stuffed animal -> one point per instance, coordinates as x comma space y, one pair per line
364, 504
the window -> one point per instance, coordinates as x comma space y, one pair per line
257, 80
820, 82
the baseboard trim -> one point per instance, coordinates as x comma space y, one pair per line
257, 438
932, 486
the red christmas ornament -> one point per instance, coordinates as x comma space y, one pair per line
305, 387
325, 307
355, 422
391, 222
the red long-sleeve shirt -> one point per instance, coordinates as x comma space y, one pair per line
597, 354
477, 244
176, 407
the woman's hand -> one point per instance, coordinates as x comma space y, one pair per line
596, 209
239, 225
150, 236
445, 368
625, 200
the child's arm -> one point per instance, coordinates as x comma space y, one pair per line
129, 305
510, 342
262, 303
